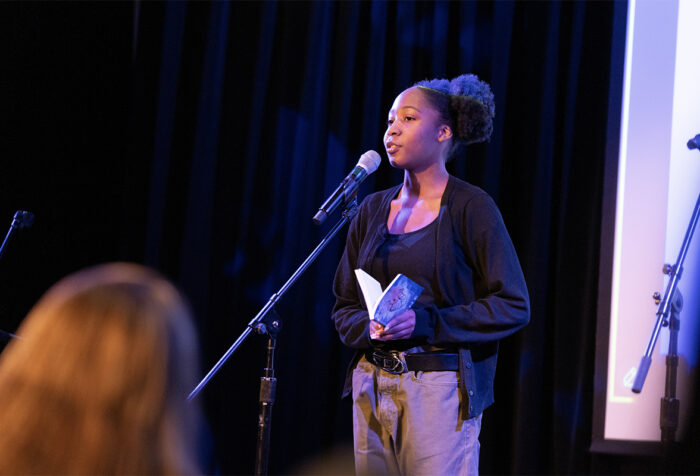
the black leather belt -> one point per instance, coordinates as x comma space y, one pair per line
398, 362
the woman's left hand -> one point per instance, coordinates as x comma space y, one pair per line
400, 327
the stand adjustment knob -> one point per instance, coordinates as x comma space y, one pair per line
667, 269
657, 298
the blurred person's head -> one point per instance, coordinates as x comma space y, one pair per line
97, 381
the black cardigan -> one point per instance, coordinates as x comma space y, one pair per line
477, 271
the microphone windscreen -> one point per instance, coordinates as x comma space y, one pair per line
370, 161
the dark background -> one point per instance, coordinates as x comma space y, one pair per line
200, 138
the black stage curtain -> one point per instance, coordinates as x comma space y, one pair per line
200, 138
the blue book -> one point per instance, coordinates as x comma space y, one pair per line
384, 305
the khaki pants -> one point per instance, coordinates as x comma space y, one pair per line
411, 424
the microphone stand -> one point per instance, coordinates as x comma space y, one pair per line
673, 302
22, 219
263, 325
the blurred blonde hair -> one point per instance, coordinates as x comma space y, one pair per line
97, 383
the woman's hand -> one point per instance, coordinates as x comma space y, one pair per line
375, 329
400, 327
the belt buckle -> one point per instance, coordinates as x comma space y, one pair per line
389, 361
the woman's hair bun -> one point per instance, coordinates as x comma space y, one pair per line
472, 107
471, 85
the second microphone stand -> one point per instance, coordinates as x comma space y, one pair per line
671, 303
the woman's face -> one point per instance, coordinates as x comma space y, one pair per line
414, 138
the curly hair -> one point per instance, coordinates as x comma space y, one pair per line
465, 103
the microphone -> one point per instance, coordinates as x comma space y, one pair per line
368, 163
694, 143
21, 220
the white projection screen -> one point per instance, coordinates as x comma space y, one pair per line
651, 186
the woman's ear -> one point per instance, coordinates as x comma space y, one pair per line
444, 133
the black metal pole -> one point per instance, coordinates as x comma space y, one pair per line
268, 388
348, 214
670, 405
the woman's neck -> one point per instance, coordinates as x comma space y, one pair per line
425, 184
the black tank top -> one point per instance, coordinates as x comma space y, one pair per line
412, 254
